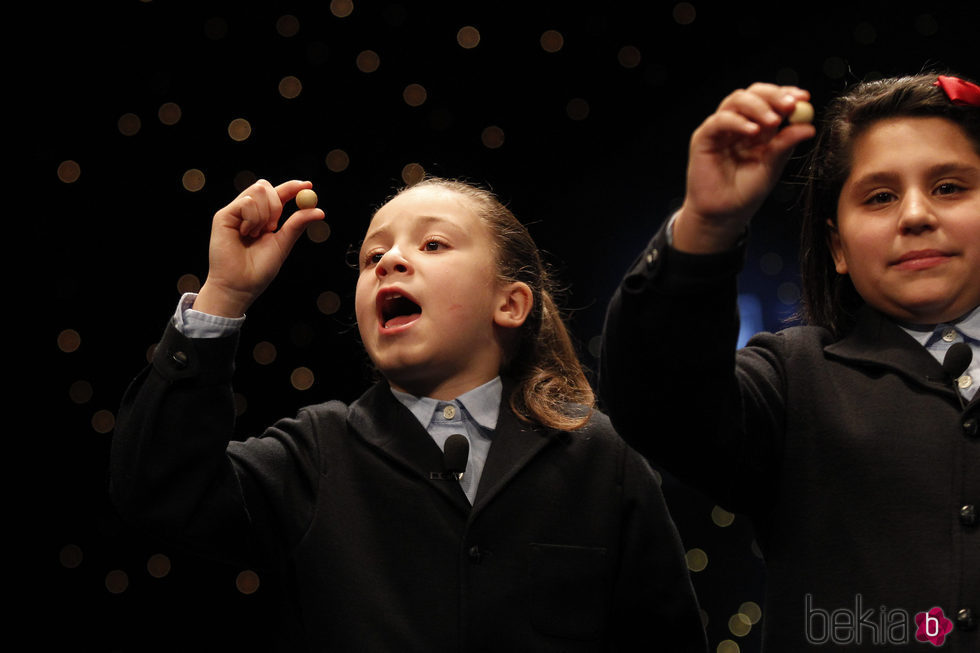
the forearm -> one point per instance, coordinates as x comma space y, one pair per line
168, 468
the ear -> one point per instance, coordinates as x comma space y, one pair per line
836, 249
514, 303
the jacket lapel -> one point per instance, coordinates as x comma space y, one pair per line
514, 445
878, 342
388, 426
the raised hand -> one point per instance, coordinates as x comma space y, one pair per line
736, 157
248, 247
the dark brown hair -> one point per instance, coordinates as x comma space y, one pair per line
552, 388
829, 299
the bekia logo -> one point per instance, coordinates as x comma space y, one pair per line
932, 627
884, 626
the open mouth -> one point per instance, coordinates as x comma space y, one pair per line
398, 310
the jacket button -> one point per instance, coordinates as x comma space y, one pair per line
968, 515
179, 358
966, 619
970, 427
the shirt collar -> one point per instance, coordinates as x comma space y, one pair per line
968, 325
482, 403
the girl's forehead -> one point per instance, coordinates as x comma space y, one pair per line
426, 205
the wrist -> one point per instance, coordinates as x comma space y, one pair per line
221, 302
696, 234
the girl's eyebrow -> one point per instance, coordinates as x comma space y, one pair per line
422, 221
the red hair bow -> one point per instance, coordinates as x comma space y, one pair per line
959, 91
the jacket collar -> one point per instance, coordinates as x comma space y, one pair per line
386, 424
876, 341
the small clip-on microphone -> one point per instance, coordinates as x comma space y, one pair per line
957, 359
455, 453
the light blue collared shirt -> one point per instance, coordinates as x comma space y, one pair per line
939, 338
473, 414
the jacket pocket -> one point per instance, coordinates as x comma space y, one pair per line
569, 590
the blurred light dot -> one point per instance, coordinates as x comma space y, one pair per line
239, 129
103, 421
70, 556
412, 173
247, 582
158, 565
727, 646
328, 302
492, 137
69, 340
834, 67
69, 171
169, 113
80, 392
215, 28
337, 160
244, 179
771, 263
241, 404
116, 581
577, 109
414, 95
468, 37
318, 231
193, 180
629, 56
738, 625
188, 283
301, 378
287, 25
595, 346
552, 40
697, 559
341, 8
684, 13
129, 124
865, 33
788, 293
721, 517
264, 353
290, 87
368, 61
751, 610
926, 25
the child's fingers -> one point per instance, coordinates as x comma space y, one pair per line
765, 104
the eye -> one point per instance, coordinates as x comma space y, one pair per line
433, 245
882, 197
948, 188
372, 258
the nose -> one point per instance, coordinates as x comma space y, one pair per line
392, 262
916, 213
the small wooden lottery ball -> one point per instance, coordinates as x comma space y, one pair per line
306, 199
802, 112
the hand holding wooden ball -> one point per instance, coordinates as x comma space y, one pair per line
306, 199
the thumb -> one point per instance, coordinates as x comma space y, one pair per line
295, 225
